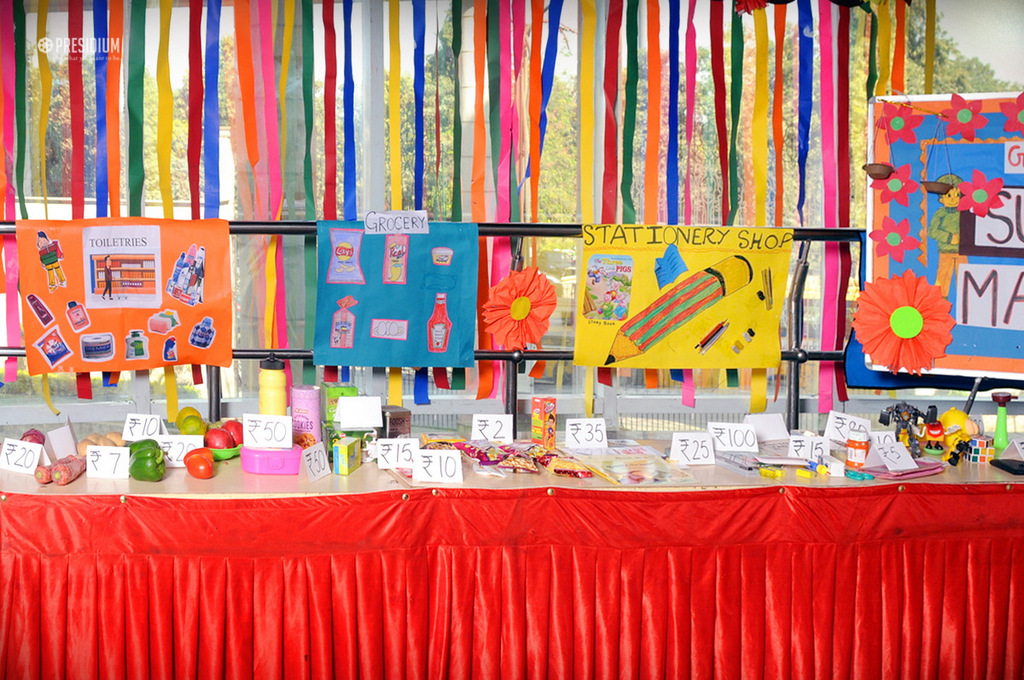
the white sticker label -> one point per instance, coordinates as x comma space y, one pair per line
396, 453
692, 448
396, 222
19, 456
140, 426
266, 432
315, 461
493, 428
733, 437
175, 446
437, 466
110, 462
883, 437
840, 425
585, 433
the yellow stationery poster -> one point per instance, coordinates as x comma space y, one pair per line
662, 296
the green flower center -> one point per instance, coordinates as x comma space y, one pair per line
906, 322
1020, 116
893, 239
895, 184
964, 115
979, 195
897, 124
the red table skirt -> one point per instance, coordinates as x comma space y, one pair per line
762, 583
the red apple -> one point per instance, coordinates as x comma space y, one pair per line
234, 428
218, 438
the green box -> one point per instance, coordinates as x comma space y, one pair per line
331, 392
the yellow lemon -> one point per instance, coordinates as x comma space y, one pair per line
185, 413
192, 425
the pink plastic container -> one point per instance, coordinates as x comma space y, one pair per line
272, 461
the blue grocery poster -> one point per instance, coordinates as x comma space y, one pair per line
400, 292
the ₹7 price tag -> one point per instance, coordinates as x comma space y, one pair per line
808, 448
19, 456
396, 453
692, 448
315, 461
493, 428
840, 425
140, 426
733, 437
437, 466
175, 446
110, 462
266, 432
585, 433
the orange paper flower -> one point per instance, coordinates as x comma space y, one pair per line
904, 323
518, 309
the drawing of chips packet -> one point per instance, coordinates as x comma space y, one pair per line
396, 258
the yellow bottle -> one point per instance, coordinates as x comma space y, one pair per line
273, 400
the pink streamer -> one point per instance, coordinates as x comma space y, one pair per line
10, 244
505, 107
691, 97
689, 391
829, 313
501, 264
518, 28
270, 108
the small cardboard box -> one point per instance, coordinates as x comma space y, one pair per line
543, 421
397, 421
347, 455
331, 392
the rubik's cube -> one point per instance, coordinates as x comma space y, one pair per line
982, 450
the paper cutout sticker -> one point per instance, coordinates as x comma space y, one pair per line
344, 263
396, 258
53, 347
669, 266
609, 285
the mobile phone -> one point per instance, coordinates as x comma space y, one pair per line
1011, 465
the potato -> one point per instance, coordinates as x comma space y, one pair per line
82, 446
115, 437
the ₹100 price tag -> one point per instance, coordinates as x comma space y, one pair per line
110, 462
396, 453
140, 426
19, 456
493, 428
585, 433
175, 446
437, 466
692, 448
314, 459
266, 432
733, 437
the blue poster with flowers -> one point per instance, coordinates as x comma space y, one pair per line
944, 284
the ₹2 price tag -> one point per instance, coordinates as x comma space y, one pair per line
19, 456
733, 437
314, 459
396, 453
110, 462
585, 433
692, 448
141, 426
437, 466
266, 432
493, 428
175, 446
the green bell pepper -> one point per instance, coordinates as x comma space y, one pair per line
147, 461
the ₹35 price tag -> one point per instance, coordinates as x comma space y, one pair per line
19, 456
437, 466
585, 433
840, 425
141, 426
733, 437
266, 432
314, 459
692, 448
396, 453
808, 448
494, 428
175, 446
110, 462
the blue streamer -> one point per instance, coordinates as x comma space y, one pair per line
419, 21
806, 97
211, 111
547, 76
676, 374
345, 375
349, 97
99, 29
420, 391
672, 169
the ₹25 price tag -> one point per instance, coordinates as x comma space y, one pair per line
141, 426
266, 432
19, 456
692, 448
396, 453
314, 459
110, 462
494, 428
585, 433
437, 466
733, 437
175, 446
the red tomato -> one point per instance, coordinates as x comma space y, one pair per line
199, 467
202, 451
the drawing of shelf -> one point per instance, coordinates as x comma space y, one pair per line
130, 274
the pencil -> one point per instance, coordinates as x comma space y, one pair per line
682, 302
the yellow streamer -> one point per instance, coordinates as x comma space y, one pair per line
587, 132
47, 397
758, 390
929, 45
394, 104
759, 124
588, 391
269, 316
46, 82
286, 51
171, 385
884, 47
165, 110
395, 386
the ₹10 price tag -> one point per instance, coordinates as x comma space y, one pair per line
266, 432
140, 426
585, 433
175, 446
396, 453
692, 448
437, 466
733, 437
314, 459
110, 462
494, 428
19, 456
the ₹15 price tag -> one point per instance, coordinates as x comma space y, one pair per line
314, 459
140, 426
396, 453
19, 456
266, 432
733, 437
840, 425
175, 446
110, 462
494, 428
437, 466
585, 433
808, 448
692, 448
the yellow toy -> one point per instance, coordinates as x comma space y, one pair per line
958, 427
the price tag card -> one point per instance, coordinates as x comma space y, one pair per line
175, 446
110, 462
141, 426
733, 437
807, 448
437, 466
358, 413
585, 433
19, 456
692, 448
493, 428
883, 437
266, 432
840, 425
896, 457
397, 453
314, 459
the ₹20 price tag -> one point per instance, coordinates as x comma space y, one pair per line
19, 456
110, 462
585, 433
840, 425
266, 432
733, 437
175, 446
494, 428
437, 466
396, 453
141, 426
314, 459
692, 448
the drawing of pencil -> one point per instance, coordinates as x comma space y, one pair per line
681, 303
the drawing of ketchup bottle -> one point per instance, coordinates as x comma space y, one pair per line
440, 326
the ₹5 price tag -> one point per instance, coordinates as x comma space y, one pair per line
692, 448
314, 459
110, 462
494, 428
266, 432
437, 466
896, 457
19, 456
733, 437
585, 433
396, 453
175, 446
140, 426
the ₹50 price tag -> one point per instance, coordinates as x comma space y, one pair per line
396, 453
437, 466
110, 462
175, 446
692, 448
140, 426
266, 432
585, 433
19, 456
314, 459
494, 428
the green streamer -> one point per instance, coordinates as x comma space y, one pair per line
134, 94
629, 111
20, 97
307, 101
458, 378
732, 377
872, 51
457, 119
735, 103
